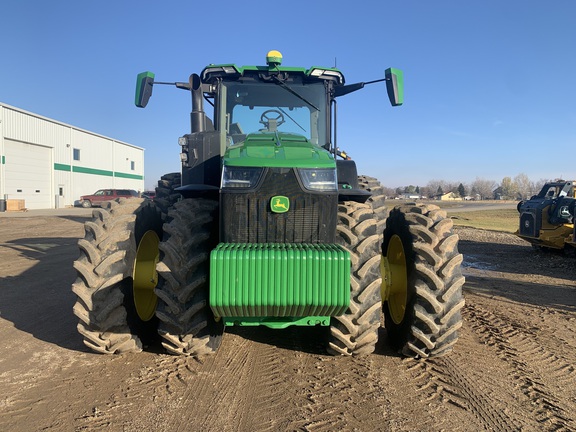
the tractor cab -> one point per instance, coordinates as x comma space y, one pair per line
547, 219
265, 116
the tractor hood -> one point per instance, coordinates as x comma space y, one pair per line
280, 150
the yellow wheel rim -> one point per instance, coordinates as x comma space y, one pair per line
145, 276
395, 279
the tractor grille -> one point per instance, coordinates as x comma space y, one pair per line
528, 224
246, 216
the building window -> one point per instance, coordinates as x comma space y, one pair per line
76, 154
132, 165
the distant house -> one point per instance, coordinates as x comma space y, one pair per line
450, 196
411, 196
498, 193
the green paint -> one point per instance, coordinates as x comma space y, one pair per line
395, 86
144, 83
129, 176
62, 167
277, 323
279, 281
278, 150
3, 160
92, 171
83, 170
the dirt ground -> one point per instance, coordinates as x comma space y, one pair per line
512, 369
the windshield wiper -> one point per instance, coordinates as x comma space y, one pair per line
290, 117
284, 86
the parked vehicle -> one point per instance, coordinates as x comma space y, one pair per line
547, 219
149, 194
104, 195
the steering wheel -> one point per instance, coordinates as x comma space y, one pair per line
265, 117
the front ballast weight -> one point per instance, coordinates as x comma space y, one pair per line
279, 284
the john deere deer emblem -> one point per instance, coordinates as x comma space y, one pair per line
279, 204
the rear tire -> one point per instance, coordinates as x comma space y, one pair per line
377, 200
356, 331
108, 320
187, 324
423, 317
166, 196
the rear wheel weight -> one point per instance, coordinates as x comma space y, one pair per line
433, 289
108, 320
187, 324
356, 331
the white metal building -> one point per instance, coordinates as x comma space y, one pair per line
50, 164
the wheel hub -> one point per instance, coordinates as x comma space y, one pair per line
145, 277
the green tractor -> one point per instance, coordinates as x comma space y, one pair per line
268, 224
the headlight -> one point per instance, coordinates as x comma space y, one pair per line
319, 179
240, 177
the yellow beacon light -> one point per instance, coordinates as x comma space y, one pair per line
273, 58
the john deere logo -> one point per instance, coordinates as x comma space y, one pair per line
279, 204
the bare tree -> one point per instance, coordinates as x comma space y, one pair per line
435, 185
536, 186
426, 192
484, 188
388, 192
523, 185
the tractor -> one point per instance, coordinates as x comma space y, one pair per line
268, 224
547, 219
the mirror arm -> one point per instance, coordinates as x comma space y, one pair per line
180, 85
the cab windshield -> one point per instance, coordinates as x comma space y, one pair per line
256, 107
556, 190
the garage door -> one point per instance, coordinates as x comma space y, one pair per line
28, 174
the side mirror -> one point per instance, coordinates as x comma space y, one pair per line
395, 86
144, 84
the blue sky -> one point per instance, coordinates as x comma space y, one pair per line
490, 86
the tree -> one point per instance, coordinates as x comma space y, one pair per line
524, 187
440, 191
509, 188
435, 185
388, 192
426, 192
484, 187
461, 190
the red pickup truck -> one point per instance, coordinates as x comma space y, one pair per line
103, 195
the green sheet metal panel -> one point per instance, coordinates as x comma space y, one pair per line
279, 280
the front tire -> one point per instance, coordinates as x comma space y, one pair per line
106, 300
423, 281
356, 331
187, 324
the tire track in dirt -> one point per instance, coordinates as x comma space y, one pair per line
340, 393
536, 370
442, 380
175, 392
241, 388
